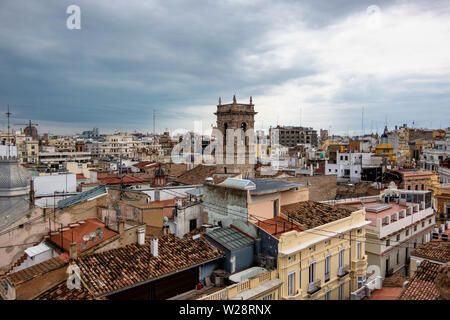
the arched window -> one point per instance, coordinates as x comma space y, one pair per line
244, 129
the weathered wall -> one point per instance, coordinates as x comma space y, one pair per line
321, 188
186, 214
229, 206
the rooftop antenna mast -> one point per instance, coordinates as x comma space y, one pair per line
8, 115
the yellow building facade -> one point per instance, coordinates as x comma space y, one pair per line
323, 263
386, 150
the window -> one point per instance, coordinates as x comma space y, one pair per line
398, 257
312, 271
291, 258
327, 294
312, 248
341, 258
358, 250
341, 291
291, 283
192, 224
268, 297
361, 282
327, 268
422, 187
429, 221
423, 224
275, 208
398, 237
409, 187
388, 242
156, 195
358, 231
407, 232
415, 228
327, 242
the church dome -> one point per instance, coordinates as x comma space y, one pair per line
14, 178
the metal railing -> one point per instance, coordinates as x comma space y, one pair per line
366, 290
314, 286
342, 271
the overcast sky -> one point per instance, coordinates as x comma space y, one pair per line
314, 62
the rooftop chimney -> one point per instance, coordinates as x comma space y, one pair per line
141, 236
154, 247
73, 252
120, 226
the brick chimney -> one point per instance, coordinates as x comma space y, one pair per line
73, 251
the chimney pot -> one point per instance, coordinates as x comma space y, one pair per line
154, 247
141, 236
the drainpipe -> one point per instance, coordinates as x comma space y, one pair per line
350, 265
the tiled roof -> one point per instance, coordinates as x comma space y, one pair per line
81, 197
394, 281
196, 175
75, 234
36, 270
230, 238
277, 226
125, 180
312, 214
62, 292
80, 176
422, 285
115, 269
434, 250
415, 173
144, 164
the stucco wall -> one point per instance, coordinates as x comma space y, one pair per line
321, 187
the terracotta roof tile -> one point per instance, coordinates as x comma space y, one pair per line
115, 269
36, 270
422, 285
196, 175
434, 250
61, 292
310, 214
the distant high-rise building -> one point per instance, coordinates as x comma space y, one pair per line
293, 136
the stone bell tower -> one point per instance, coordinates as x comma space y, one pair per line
237, 116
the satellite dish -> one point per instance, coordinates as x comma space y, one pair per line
92, 234
86, 237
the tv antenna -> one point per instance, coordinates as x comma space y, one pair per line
29, 126
8, 115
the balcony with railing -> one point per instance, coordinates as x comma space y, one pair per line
402, 219
314, 286
343, 271
366, 290
247, 289
296, 296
